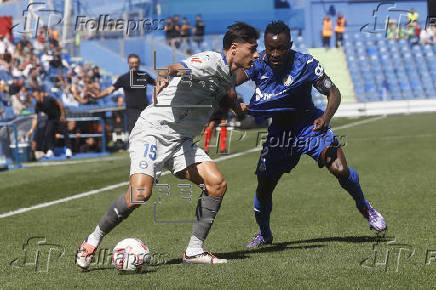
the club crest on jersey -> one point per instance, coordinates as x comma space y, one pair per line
143, 164
288, 80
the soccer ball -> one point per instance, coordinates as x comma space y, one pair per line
130, 255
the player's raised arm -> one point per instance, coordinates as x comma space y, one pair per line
326, 87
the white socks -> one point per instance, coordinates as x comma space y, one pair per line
195, 247
95, 237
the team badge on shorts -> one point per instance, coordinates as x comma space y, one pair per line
288, 80
143, 164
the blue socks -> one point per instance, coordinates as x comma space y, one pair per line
262, 212
352, 185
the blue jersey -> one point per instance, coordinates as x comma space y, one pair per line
291, 90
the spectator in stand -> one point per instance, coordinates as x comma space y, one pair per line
69, 77
326, 31
185, 33
5, 62
177, 31
340, 30
21, 101
68, 98
32, 77
169, 31
412, 16
55, 112
392, 31
3, 42
60, 81
199, 31
97, 75
85, 91
46, 57
401, 33
53, 37
417, 31
427, 35
15, 86
56, 62
3, 87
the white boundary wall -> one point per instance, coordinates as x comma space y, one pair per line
386, 108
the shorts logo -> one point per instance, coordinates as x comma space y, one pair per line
143, 164
288, 80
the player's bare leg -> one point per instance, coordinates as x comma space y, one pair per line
262, 210
209, 203
138, 192
334, 159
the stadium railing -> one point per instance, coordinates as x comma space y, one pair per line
6, 156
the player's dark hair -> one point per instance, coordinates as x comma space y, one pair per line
133, 55
239, 32
277, 27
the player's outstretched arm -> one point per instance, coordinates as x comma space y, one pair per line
325, 86
103, 94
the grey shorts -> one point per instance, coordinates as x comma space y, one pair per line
151, 150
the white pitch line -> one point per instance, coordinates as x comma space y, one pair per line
346, 126
110, 187
55, 163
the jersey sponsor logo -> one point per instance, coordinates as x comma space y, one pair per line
264, 97
288, 80
196, 59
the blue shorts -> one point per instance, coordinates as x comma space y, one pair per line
283, 148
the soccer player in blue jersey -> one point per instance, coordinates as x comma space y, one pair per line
284, 80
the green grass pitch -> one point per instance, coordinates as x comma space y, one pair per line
320, 239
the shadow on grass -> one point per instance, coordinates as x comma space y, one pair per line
276, 247
294, 245
144, 271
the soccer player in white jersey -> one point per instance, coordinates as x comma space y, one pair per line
186, 96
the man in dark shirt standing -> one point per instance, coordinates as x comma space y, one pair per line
134, 84
56, 121
199, 31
